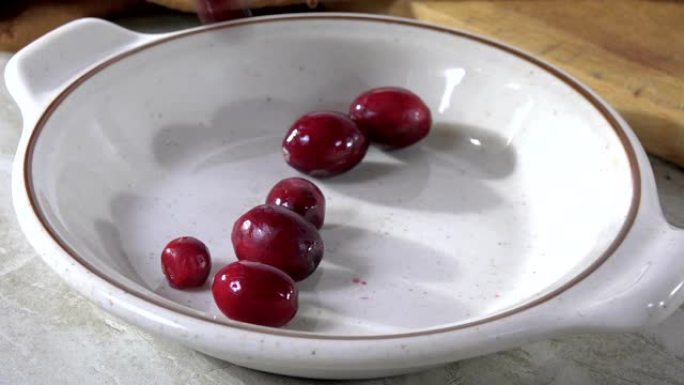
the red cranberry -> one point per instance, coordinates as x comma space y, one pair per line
300, 196
255, 293
186, 262
278, 237
324, 144
214, 11
392, 116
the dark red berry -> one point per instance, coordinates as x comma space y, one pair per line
278, 237
255, 293
391, 116
186, 262
324, 144
214, 11
300, 196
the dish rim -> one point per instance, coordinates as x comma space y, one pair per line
582, 90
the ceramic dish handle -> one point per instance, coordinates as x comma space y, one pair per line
37, 73
641, 284
658, 281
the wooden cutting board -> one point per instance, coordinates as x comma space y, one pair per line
629, 51
22, 21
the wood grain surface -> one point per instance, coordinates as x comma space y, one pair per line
42, 16
630, 51
22, 22
190, 5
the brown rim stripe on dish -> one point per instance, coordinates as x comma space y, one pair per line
610, 118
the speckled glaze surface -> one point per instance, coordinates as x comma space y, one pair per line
491, 233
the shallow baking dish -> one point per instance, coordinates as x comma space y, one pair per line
530, 211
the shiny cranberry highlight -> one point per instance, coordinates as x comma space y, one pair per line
186, 262
278, 237
255, 293
392, 116
300, 196
324, 144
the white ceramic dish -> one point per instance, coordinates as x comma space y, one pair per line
530, 211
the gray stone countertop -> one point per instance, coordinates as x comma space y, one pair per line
51, 335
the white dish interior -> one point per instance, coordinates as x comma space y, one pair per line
520, 187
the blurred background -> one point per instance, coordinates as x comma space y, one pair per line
630, 51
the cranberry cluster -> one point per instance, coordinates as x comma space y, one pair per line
278, 243
324, 144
